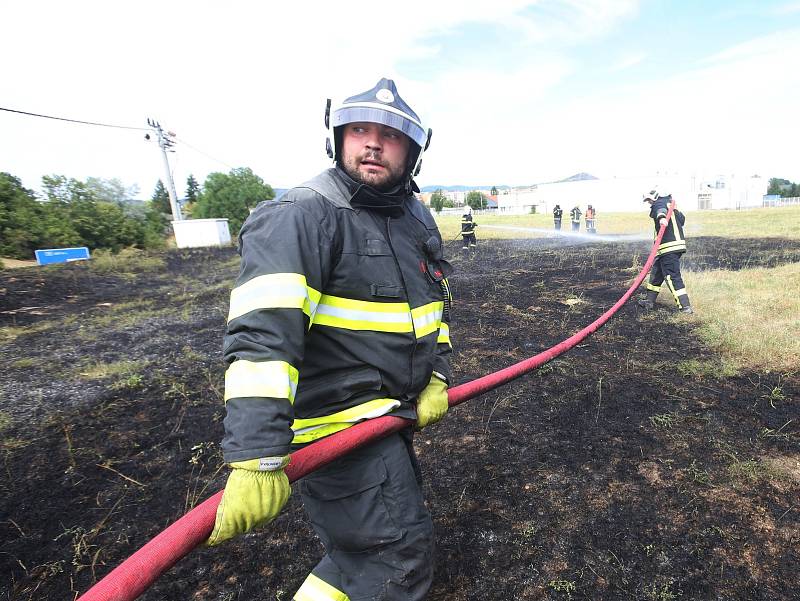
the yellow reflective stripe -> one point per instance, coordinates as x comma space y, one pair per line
444, 334
675, 244
275, 379
427, 318
675, 229
352, 314
316, 589
680, 292
274, 291
319, 432
653, 288
307, 430
668, 280
373, 408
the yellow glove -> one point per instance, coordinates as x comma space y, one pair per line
432, 402
256, 491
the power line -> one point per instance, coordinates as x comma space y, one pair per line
185, 143
73, 120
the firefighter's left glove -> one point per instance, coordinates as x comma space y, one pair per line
256, 491
432, 402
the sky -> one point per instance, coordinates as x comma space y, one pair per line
516, 92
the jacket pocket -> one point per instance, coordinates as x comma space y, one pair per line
348, 508
332, 388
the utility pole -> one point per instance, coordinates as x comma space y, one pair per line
165, 142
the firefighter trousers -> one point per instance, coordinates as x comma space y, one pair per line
367, 509
667, 269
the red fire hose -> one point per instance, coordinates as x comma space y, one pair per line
134, 575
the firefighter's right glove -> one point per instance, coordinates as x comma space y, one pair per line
432, 402
256, 491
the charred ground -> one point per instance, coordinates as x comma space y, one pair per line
629, 468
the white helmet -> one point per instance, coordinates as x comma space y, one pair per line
382, 104
653, 194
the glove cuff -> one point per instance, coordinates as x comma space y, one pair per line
439, 376
263, 464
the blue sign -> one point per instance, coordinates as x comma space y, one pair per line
61, 255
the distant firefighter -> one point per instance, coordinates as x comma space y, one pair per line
468, 229
557, 213
575, 216
590, 216
667, 266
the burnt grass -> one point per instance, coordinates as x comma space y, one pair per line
630, 467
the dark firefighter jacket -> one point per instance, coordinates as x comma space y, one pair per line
575, 214
339, 314
673, 240
467, 225
557, 213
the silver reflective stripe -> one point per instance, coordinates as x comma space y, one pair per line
350, 314
354, 315
377, 113
427, 318
444, 334
273, 291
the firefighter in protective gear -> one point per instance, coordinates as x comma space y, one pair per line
558, 212
468, 226
590, 216
340, 314
575, 216
667, 265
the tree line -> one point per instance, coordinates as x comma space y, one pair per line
103, 214
475, 199
783, 187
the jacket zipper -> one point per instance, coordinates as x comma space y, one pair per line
408, 298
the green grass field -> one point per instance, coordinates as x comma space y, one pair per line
781, 222
750, 317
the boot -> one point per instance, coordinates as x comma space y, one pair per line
684, 306
648, 303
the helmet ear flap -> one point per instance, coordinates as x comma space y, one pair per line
428, 141
418, 168
328, 114
328, 146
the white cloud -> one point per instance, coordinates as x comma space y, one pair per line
246, 83
789, 8
628, 61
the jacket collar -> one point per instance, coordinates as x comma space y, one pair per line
363, 196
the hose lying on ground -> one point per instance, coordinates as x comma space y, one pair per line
134, 575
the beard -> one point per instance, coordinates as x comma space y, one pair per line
382, 180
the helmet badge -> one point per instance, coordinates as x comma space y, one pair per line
384, 95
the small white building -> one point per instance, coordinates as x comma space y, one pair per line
192, 233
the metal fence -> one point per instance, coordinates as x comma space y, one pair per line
781, 202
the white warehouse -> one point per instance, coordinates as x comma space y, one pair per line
625, 194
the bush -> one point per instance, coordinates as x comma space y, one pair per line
127, 260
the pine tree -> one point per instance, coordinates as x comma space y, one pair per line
160, 199
192, 189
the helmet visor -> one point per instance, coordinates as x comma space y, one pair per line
382, 115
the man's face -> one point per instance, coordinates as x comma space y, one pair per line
374, 154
